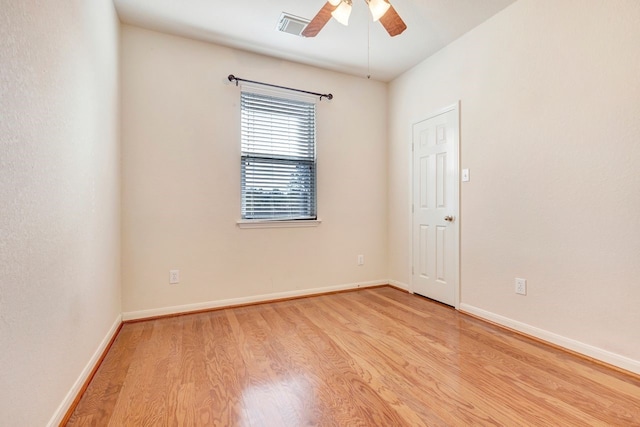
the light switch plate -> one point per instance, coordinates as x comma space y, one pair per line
465, 175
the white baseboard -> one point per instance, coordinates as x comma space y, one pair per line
163, 311
399, 285
568, 343
77, 386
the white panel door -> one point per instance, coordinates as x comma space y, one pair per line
435, 207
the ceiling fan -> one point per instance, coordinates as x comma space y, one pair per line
341, 9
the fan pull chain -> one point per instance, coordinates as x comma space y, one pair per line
368, 49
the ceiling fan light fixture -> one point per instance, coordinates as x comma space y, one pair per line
342, 12
378, 8
381, 10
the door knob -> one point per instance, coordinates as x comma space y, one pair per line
448, 218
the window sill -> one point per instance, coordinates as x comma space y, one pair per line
296, 223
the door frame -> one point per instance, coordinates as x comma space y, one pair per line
456, 200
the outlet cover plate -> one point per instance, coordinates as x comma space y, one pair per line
521, 286
174, 277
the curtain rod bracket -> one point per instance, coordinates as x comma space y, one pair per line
232, 78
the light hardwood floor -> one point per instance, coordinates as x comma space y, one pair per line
375, 357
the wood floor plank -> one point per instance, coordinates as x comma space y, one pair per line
107, 384
340, 388
301, 371
369, 367
566, 377
436, 391
225, 372
261, 394
500, 371
375, 357
526, 363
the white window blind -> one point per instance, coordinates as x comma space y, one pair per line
278, 157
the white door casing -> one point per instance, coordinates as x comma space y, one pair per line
435, 207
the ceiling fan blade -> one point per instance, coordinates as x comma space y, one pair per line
313, 28
392, 22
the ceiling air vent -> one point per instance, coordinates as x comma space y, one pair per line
292, 24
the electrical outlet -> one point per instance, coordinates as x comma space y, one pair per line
174, 277
521, 286
360, 259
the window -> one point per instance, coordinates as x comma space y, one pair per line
278, 164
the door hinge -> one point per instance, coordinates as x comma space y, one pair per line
412, 208
412, 272
412, 144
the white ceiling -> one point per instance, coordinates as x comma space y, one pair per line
251, 25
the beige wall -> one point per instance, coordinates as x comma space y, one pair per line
181, 178
550, 130
59, 200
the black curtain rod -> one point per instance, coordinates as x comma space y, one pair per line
238, 79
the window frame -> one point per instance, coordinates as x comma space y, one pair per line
279, 222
